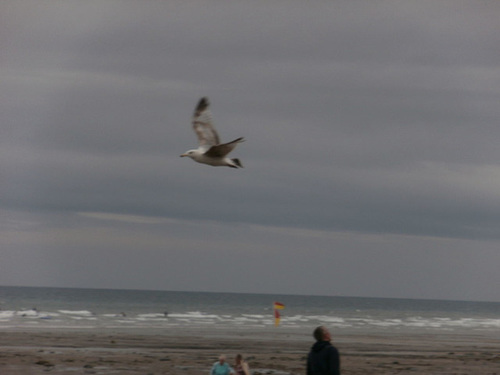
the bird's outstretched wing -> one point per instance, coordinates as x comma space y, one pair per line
219, 151
202, 124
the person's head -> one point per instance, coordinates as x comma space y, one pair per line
321, 334
239, 358
222, 359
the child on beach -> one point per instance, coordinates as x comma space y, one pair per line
241, 367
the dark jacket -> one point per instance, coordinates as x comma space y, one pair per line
323, 359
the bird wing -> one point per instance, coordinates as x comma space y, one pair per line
219, 151
202, 124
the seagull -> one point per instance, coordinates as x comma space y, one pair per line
210, 150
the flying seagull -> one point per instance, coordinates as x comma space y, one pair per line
210, 151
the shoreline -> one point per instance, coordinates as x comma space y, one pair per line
94, 352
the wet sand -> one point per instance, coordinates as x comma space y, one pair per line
189, 354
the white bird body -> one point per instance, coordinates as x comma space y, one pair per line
210, 151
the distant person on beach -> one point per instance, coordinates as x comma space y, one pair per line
221, 367
240, 366
324, 358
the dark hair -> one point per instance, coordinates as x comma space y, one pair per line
239, 357
319, 333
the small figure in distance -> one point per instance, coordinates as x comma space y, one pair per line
324, 358
240, 366
221, 367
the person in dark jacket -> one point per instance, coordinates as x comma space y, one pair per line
324, 358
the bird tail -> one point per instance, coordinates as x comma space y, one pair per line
237, 140
237, 163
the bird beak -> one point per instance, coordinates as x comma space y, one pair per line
184, 155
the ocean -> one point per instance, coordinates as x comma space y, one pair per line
26, 308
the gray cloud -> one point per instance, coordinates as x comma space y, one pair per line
373, 119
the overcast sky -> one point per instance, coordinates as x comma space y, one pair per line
372, 157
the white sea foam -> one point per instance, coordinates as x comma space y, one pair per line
255, 316
85, 318
80, 312
103, 309
6, 315
194, 315
151, 316
27, 312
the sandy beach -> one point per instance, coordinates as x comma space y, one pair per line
63, 352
